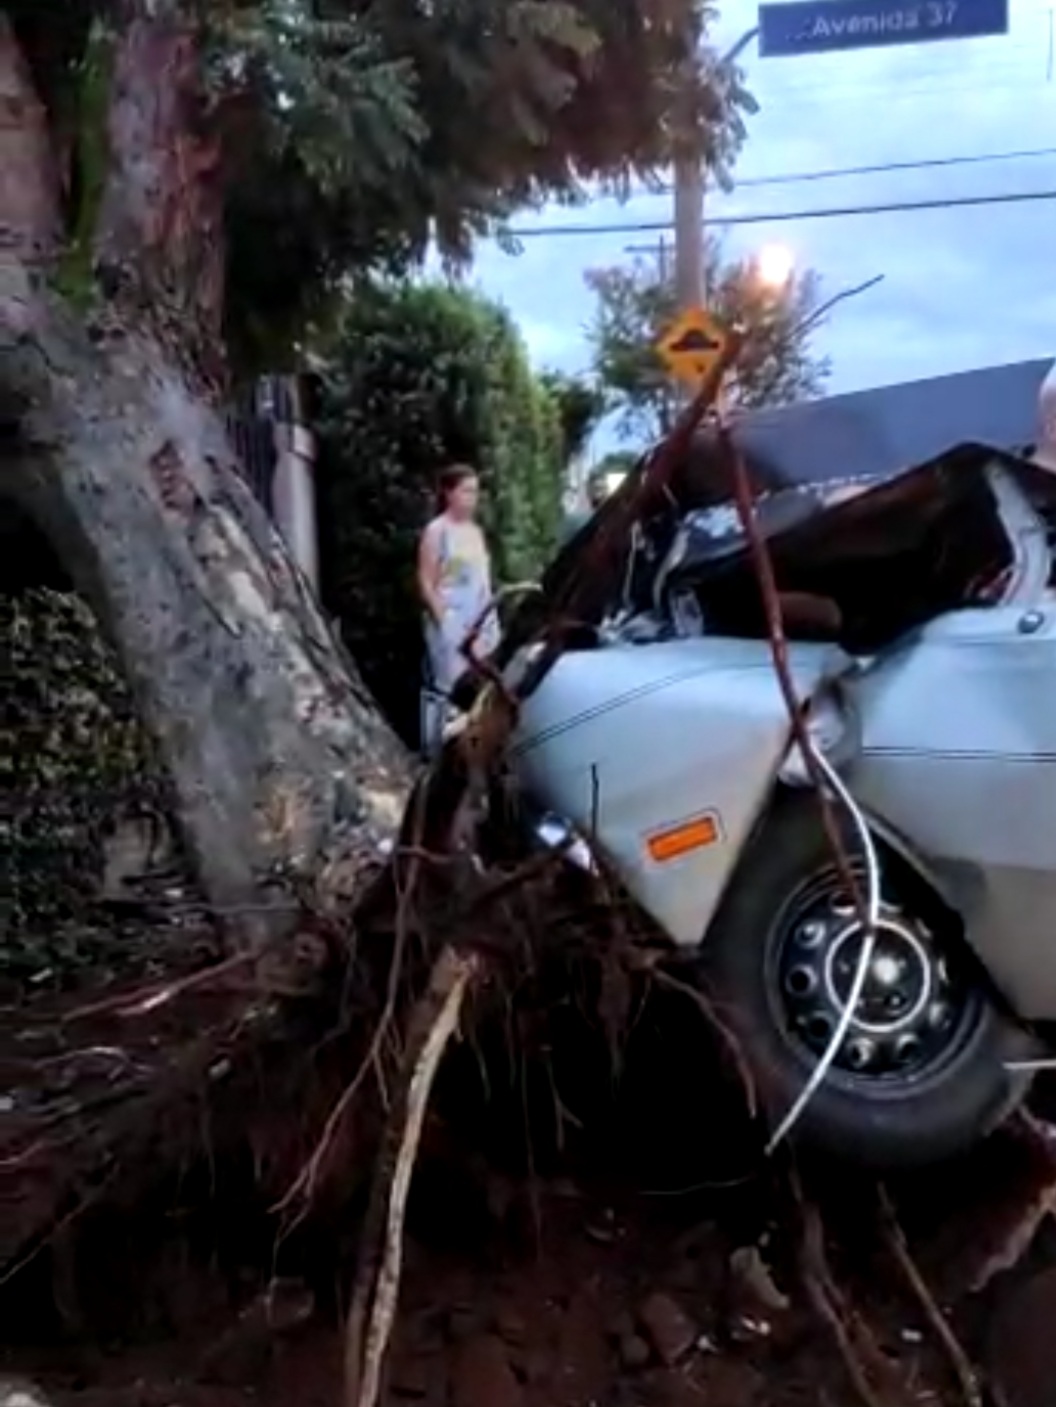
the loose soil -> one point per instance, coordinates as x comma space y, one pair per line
614, 1306
628, 1252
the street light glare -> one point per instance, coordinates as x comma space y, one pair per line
775, 264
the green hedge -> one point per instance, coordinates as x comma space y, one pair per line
75, 763
422, 374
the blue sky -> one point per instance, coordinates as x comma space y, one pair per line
962, 287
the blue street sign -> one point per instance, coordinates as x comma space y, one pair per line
817, 26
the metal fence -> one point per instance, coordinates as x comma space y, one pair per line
274, 401
253, 438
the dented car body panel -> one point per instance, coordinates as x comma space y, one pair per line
946, 655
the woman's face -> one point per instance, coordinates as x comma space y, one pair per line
463, 499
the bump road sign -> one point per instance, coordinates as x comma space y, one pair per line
692, 345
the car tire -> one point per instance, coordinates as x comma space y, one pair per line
887, 1118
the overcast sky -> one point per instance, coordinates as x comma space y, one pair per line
962, 287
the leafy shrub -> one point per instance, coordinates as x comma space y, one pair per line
74, 762
421, 375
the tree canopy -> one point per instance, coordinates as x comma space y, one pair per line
192, 186
580, 405
635, 302
349, 134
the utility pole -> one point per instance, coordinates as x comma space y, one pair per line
689, 232
689, 173
690, 176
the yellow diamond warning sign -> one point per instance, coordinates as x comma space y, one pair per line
692, 345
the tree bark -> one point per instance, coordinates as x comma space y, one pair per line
269, 739
29, 191
160, 237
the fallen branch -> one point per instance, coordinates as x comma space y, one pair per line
763, 566
376, 1291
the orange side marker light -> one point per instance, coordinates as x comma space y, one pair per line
676, 841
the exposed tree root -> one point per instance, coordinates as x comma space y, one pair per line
303, 1189
729, 1038
967, 1377
376, 1290
868, 1370
147, 999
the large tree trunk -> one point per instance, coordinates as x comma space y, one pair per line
121, 457
29, 188
160, 241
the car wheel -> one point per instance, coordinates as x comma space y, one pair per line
921, 1074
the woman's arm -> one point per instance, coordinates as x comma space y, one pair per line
429, 572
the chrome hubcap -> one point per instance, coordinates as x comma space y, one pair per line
910, 1006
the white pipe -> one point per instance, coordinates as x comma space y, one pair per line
872, 918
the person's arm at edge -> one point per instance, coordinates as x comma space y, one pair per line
429, 572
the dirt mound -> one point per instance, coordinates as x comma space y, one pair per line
601, 1301
1021, 1347
573, 1286
609, 1305
584, 1228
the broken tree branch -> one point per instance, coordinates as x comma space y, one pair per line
374, 1299
778, 642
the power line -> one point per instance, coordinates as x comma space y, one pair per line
782, 216
881, 168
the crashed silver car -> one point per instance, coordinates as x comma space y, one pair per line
921, 616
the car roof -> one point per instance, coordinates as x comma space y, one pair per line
868, 436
